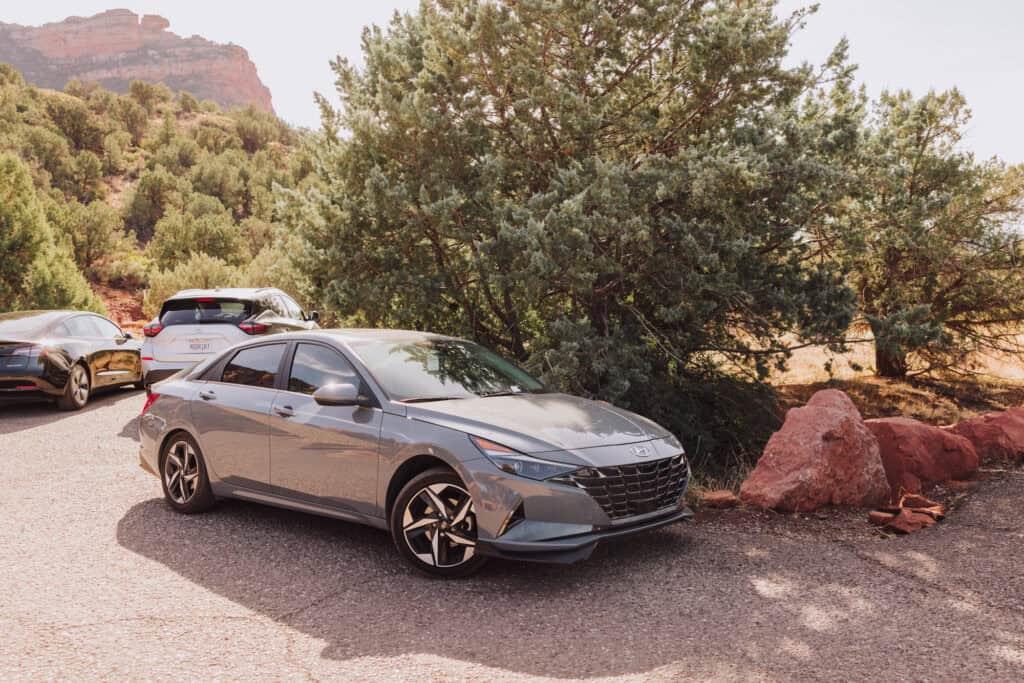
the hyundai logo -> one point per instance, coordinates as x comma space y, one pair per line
641, 451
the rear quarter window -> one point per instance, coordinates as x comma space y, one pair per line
255, 367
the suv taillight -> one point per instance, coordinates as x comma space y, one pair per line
152, 329
250, 327
150, 400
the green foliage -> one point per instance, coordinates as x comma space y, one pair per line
258, 129
140, 153
624, 215
149, 95
932, 238
187, 103
200, 271
180, 234
94, 230
157, 191
35, 272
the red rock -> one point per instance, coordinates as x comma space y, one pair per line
909, 521
116, 47
916, 455
913, 500
722, 498
998, 437
823, 455
880, 518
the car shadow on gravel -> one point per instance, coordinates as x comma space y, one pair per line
716, 603
14, 417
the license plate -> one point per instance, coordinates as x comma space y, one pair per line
197, 345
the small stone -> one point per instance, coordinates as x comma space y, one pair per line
721, 498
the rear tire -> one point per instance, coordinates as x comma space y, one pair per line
76, 389
183, 475
433, 525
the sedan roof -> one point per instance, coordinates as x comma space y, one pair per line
26, 324
369, 334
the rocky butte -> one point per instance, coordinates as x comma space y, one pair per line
117, 47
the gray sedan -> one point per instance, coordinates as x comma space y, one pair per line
458, 452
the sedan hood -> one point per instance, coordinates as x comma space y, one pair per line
540, 423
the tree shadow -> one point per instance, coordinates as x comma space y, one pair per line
710, 603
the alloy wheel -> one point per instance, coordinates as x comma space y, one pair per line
181, 472
439, 525
79, 385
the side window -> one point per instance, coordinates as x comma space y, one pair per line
292, 308
108, 330
256, 367
316, 366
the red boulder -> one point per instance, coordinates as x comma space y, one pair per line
916, 455
998, 437
823, 455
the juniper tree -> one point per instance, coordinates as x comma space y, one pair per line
614, 193
932, 239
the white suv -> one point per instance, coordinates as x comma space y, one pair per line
197, 323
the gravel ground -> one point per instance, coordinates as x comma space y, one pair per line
100, 580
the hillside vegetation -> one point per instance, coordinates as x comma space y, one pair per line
151, 191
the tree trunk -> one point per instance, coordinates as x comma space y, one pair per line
888, 364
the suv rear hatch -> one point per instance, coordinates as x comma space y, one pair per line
192, 329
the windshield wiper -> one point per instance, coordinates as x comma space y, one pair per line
426, 399
505, 392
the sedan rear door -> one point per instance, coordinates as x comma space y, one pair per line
324, 454
231, 415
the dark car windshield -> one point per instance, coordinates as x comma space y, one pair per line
204, 310
436, 369
26, 324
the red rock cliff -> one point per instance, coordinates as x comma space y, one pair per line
117, 47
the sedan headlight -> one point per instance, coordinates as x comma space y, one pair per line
514, 462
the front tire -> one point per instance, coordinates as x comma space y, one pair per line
433, 525
183, 475
76, 390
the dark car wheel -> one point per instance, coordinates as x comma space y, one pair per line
183, 475
433, 524
76, 390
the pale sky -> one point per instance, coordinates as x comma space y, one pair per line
916, 44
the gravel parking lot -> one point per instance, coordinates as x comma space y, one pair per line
101, 580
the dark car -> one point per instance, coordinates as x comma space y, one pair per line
66, 355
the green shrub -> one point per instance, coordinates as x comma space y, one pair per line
180, 234
157, 191
199, 271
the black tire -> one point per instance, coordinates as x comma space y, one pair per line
190, 493
453, 495
77, 389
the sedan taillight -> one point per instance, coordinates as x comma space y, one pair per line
250, 327
152, 329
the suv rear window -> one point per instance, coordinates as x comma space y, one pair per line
204, 310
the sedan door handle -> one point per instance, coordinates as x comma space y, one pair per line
207, 395
284, 411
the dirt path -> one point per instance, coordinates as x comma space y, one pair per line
101, 581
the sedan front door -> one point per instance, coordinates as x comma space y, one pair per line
323, 454
232, 414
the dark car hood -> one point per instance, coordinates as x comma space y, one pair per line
539, 423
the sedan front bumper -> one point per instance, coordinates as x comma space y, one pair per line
578, 547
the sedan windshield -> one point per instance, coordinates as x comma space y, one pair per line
439, 369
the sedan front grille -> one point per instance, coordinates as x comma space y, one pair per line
637, 488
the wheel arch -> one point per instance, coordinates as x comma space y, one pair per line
412, 467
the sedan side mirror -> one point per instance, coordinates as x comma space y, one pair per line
340, 394
313, 316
